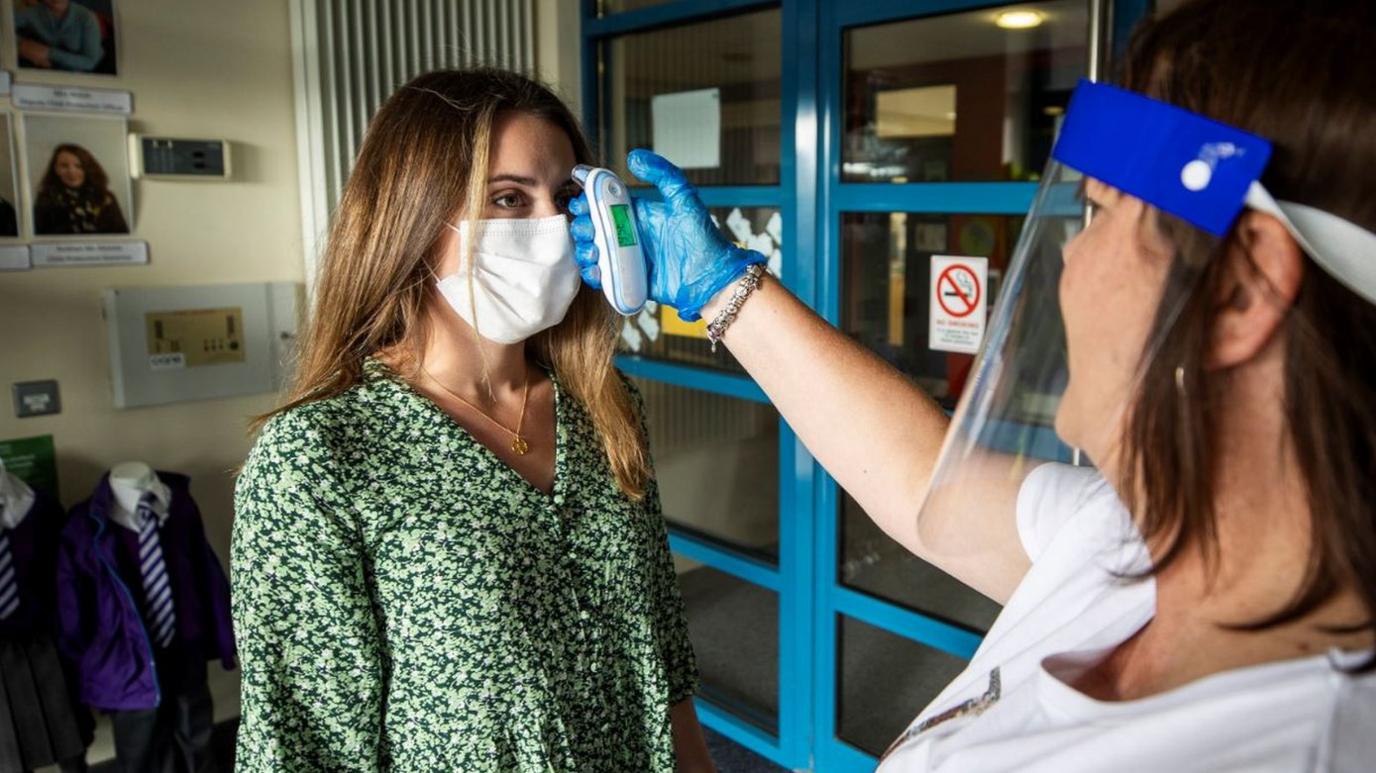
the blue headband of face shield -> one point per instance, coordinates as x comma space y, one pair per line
1201, 171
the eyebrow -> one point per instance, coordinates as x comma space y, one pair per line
513, 178
529, 182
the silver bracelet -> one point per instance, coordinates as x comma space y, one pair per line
744, 288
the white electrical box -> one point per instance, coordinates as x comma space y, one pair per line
170, 344
169, 158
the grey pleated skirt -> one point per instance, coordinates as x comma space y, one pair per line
38, 724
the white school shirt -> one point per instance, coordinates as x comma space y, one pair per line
1012, 710
16, 500
162, 507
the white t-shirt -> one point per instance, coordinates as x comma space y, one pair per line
1012, 709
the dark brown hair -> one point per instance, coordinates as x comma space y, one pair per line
95, 178
423, 164
1300, 75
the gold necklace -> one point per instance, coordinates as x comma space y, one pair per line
519, 445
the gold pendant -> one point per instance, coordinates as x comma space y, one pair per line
519, 446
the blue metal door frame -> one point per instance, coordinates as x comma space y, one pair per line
791, 579
811, 199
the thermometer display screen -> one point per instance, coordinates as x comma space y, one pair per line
625, 227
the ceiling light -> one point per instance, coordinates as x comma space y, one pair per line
1020, 20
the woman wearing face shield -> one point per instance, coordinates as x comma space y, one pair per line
1199, 593
448, 552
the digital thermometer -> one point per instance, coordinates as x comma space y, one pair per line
619, 259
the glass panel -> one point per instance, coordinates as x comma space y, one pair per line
886, 285
717, 461
958, 97
885, 681
874, 563
657, 332
734, 626
727, 135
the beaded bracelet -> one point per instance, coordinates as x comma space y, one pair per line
749, 282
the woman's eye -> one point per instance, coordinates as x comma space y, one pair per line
1082, 196
508, 200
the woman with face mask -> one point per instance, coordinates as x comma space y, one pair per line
1197, 591
448, 551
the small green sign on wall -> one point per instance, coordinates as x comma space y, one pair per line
33, 460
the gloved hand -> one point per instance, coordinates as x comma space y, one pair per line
689, 259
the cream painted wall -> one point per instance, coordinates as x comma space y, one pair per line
196, 68
558, 49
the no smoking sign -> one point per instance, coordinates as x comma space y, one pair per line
958, 303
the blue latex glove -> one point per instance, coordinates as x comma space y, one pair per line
690, 260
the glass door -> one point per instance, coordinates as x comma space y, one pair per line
712, 85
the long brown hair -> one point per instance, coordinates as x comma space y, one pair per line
1298, 74
424, 159
94, 177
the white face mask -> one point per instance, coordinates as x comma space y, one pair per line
524, 279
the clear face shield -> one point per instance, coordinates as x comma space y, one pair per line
1034, 391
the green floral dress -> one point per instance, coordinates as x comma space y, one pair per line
403, 600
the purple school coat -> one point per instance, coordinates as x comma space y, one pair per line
101, 628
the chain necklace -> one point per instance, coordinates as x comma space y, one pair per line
519, 445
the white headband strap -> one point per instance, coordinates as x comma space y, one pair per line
1342, 248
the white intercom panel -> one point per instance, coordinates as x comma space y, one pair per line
169, 158
170, 344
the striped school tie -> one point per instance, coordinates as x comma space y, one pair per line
9, 583
162, 618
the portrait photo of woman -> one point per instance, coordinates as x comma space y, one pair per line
74, 192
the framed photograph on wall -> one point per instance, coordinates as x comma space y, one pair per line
78, 174
9, 180
66, 35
